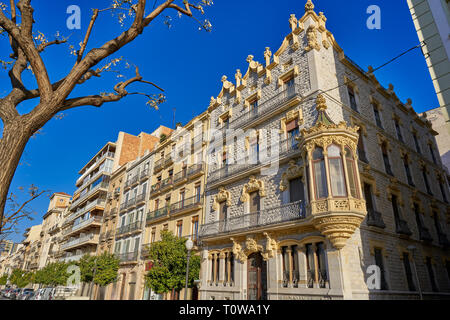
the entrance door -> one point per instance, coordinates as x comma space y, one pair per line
256, 277
122, 288
255, 202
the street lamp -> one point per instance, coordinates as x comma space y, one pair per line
189, 245
413, 249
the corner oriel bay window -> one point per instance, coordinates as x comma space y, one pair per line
351, 173
320, 176
337, 178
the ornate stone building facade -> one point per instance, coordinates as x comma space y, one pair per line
331, 179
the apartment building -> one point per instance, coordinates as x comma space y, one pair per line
51, 227
6, 247
124, 222
177, 186
81, 228
432, 22
331, 176
31, 248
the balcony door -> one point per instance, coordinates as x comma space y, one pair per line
223, 216
255, 207
296, 190
256, 277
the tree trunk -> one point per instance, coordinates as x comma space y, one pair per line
15, 137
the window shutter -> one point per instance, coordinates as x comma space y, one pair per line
291, 125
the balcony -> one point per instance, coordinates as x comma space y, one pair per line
131, 202
374, 219
197, 142
163, 212
140, 198
101, 185
129, 228
96, 220
402, 228
145, 174
128, 257
167, 184
424, 234
113, 212
123, 206
264, 109
195, 170
186, 205
156, 188
287, 148
158, 165
87, 239
180, 177
443, 241
168, 160
277, 215
144, 250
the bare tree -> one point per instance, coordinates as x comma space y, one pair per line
16, 211
52, 98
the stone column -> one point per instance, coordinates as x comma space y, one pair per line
302, 267
222, 265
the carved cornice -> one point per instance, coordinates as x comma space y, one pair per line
252, 186
294, 171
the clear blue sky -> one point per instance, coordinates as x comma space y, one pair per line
189, 64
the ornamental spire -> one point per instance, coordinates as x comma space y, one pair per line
309, 6
321, 107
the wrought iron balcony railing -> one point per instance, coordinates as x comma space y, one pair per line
263, 157
424, 234
264, 108
167, 183
140, 198
276, 215
157, 213
128, 257
158, 165
144, 174
186, 204
374, 219
194, 169
402, 228
132, 227
180, 176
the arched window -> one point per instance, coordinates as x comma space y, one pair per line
320, 177
337, 178
352, 180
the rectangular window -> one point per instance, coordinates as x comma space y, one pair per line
416, 143
432, 154
431, 274
290, 87
195, 228
387, 165
444, 195
180, 228
408, 272
396, 212
398, 130
361, 152
321, 180
379, 262
352, 98
153, 237
425, 180
408, 171
337, 177
376, 113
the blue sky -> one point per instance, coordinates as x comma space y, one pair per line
189, 64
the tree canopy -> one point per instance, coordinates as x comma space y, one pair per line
169, 257
21, 278
53, 274
102, 270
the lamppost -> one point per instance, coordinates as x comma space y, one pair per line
189, 245
412, 249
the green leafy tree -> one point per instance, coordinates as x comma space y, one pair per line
107, 268
21, 278
102, 270
3, 280
54, 274
169, 257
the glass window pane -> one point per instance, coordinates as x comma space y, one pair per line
334, 151
321, 180
352, 178
337, 178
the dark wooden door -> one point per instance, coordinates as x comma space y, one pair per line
296, 191
256, 277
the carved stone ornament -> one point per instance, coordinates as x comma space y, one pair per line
271, 247
252, 186
309, 6
252, 246
312, 39
222, 196
338, 229
294, 171
237, 251
293, 22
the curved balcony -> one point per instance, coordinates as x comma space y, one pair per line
268, 217
130, 257
87, 239
93, 221
195, 171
